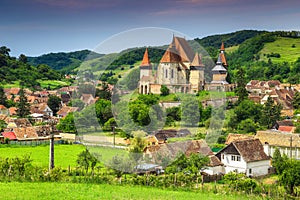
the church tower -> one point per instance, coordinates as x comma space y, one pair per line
197, 74
145, 74
145, 67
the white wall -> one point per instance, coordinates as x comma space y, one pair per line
258, 168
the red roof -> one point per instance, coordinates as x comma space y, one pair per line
146, 61
222, 47
9, 135
286, 128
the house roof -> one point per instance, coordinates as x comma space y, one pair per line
222, 47
22, 122
146, 60
39, 108
66, 109
25, 133
214, 161
275, 138
12, 110
288, 129
171, 150
236, 137
251, 150
9, 135
2, 107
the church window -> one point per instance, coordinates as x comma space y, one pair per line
172, 73
166, 73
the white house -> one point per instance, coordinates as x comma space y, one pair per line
287, 143
245, 156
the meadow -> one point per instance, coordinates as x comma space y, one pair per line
65, 155
288, 48
53, 190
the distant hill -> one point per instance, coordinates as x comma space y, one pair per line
64, 62
264, 55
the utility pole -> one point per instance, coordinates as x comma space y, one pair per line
51, 155
113, 128
291, 145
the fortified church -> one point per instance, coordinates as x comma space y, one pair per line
182, 71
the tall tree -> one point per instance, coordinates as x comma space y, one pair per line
3, 98
270, 113
23, 107
4, 50
240, 90
23, 58
296, 100
54, 103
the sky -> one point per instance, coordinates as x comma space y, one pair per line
36, 27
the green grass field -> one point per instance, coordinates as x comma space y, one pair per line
47, 190
64, 155
53, 84
283, 46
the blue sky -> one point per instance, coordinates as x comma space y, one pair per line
35, 27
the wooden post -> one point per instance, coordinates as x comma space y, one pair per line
114, 135
51, 155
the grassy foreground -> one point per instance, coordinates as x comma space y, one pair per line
47, 190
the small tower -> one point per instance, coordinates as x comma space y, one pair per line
197, 74
222, 55
145, 67
219, 73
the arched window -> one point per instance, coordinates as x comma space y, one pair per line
166, 73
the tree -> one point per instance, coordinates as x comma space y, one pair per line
290, 177
23, 58
67, 124
240, 90
270, 113
164, 90
4, 50
296, 100
279, 162
247, 126
103, 111
137, 145
87, 160
54, 103
3, 98
76, 103
190, 111
104, 92
23, 107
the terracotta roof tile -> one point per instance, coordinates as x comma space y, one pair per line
146, 61
197, 61
9, 135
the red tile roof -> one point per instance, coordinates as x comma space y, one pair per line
146, 61
222, 47
9, 135
288, 129
197, 61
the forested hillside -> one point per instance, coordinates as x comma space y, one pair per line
64, 62
18, 69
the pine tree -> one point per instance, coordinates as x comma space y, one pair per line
23, 107
270, 113
3, 98
240, 90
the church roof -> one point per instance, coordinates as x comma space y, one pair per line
223, 59
146, 60
222, 47
219, 67
185, 51
197, 61
171, 56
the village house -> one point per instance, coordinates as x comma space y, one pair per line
41, 108
66, 110
287, 143
156, 153
245, 156
88, 99
285, 126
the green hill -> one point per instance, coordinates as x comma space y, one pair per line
64, 62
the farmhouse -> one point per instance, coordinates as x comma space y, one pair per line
245, 156
287, 143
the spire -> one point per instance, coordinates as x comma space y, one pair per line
197, 61
222, 47
219, 61
146, 61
